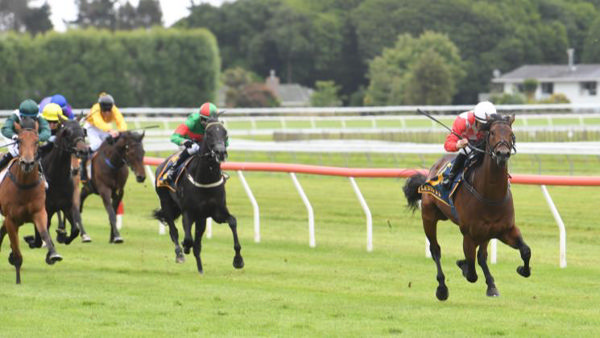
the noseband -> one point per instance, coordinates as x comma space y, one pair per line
510, 145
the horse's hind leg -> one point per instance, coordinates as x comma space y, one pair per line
200, 228
430, 227
115, 237
61, 232
238, 261
188, 241
74, 225
76, 221
514, 239
467, 265
2, 234
14, 258
482, 254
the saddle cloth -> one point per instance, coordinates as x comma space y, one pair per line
161, 179
435, 188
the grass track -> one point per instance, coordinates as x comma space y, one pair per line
289, 289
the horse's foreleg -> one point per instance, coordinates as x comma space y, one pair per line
40, 219
61, 231
85, 192
238, 261
15, 258
200, 227
430, 227
482, 254
514, 239
188, 241
76, 220
74, 225
467, 265
115, 237
2, 234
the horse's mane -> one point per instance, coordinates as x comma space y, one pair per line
125, 134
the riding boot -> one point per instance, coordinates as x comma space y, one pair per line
170, 174
82, 166
41, 171
5, 159
456, 166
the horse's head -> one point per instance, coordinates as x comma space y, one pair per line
28, 139
134, 153
500, 139
215, 137
72, 138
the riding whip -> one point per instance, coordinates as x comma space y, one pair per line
439, 122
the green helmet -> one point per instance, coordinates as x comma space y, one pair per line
208, 110
29, 108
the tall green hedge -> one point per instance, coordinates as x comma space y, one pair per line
156, 68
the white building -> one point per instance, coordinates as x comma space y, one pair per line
579, 83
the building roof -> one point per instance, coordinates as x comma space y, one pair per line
552, 73
293, 94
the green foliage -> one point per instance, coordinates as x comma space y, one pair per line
159, 68
246, 89
556, 98
18, 16
109, 14
325, 95
529, 87
591, 50
407, 65
506, 98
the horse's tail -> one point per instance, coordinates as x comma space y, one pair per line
411, 190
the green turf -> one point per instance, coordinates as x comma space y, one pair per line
289, 289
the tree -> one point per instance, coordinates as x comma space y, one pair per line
325, 95
37, 20
398, 67
591, 49
96, 13
16, 15
529, 87
245, 89
429, 81
149, 14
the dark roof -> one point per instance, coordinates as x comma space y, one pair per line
580, 72
293, 94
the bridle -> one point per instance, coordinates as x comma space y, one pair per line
211, 153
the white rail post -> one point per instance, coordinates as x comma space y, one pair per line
311, 215
208, 227
365, 207
561, 227
494, 253
254, 206
161, 226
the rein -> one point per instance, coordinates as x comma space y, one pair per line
486, 200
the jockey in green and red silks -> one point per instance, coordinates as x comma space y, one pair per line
190, 134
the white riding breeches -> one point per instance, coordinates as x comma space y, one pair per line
95, 136
13, 149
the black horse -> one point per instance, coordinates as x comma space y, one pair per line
70, 140
109, 174
199, 193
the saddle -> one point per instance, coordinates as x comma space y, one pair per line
162, 181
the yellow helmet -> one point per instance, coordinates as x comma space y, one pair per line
52, 112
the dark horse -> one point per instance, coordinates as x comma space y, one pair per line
23, 194
57, 164
200, 193
484, 207
109, 173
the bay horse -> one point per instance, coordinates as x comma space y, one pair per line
23, 195
200, 193
484, 208
58, 168
110, 171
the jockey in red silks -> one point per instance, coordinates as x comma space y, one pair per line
467, 125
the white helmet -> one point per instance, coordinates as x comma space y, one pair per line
483, 110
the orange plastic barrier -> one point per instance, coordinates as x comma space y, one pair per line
358, 172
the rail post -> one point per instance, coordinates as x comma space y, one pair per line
311, 215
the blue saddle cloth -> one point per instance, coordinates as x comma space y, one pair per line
435, 188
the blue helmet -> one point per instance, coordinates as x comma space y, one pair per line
59, 100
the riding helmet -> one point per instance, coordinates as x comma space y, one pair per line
483, 110
106, 102
28, 108
52, 112
208, 110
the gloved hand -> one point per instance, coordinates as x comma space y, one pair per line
52, 138
15, 137
194, 149
187, 143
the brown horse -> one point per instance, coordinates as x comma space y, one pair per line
109, 174
484, 208
23, 196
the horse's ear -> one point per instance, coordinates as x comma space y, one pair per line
61, 119
220, 113
142, 136
511, 119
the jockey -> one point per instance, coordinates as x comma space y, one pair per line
27, 108
52, 113
99, 125
60, 100
467, 125
190, 134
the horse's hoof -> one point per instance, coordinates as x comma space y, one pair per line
442, 292
238, 262
525, 272
201, 272
85, 238
53, 258
61, 237
492, 292
464, 267
11, 259
117, 240
186, 250
31, 242
180, 259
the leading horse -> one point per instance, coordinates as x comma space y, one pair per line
110, 172
200, 193
484, 208
23, 195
